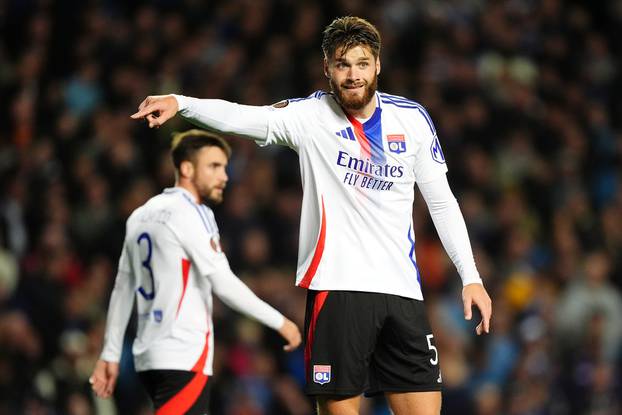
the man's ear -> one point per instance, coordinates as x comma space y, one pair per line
186, 169
326, 68
378, 66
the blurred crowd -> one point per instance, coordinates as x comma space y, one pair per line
523, 96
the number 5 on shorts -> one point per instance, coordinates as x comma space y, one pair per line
429, 338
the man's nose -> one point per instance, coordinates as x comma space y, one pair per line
353, 74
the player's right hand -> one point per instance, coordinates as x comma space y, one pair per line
157, 110
104, 378
291, 334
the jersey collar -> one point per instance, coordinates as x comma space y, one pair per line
182, 191
371, 122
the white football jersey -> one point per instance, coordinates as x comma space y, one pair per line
170, 263
356, 229
356, 225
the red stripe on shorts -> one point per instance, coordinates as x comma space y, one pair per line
318, 303
181, 402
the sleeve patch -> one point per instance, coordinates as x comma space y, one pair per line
437, 152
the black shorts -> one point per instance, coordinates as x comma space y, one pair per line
176, 391
359, 342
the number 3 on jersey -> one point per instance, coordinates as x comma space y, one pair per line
147, 265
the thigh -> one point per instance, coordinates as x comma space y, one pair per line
176, 391
406, 358
419, 403
341, 328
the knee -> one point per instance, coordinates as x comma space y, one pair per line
333, 405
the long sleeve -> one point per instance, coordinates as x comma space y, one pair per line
238, 296
450, 226
271, 124
226, 117
119, 311
213, 266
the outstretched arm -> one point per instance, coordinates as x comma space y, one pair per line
212, 114
452, 231
265, 124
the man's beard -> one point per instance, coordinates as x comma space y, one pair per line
208, 196
210, 200
354, 102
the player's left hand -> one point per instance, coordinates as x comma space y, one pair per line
475, 294
104, 378
291, 334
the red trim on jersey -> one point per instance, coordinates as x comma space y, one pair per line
182, 401
360, 135
185, 271
319, 301
200, 364
317, 256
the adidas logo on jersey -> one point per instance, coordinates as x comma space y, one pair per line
347, 133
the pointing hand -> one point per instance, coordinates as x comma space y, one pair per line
157, 110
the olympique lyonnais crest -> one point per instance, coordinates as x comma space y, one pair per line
321, 374
397, 143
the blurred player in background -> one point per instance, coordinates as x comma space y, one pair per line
361, 152
171, 262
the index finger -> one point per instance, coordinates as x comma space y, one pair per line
142, 113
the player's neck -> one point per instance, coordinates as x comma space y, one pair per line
187, 185
364, 113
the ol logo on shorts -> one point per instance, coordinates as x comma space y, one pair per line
321, 374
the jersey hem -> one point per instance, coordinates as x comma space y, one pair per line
161, 365
358, 289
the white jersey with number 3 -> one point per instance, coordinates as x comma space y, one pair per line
170, 263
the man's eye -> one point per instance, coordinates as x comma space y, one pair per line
364, 64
